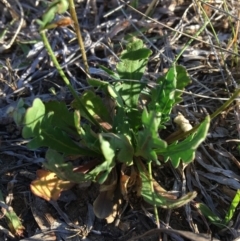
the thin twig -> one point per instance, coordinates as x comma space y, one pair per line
7, 46
184, 34
151, 6
65, 79
79, 35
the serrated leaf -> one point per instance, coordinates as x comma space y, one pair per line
148, 140
151, 121
162, 97
145, 146
132, 65
185, 150
158, 199
133, 61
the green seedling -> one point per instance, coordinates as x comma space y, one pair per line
13, 221
18, 112
134, 3
232, 209
215, 219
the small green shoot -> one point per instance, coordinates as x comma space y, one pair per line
232, 209
18, 112
215, 219
13, 221
210, 215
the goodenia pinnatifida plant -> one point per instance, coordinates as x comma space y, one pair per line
128, 135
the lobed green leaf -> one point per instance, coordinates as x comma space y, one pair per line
148, 139
131, 67
186, 149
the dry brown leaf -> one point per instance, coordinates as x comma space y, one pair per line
103, 205
63, 22
123, 185
48, 186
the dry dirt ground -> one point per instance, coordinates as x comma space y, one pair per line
26, 72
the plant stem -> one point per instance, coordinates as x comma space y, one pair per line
190, 41
226, 104
151, 7
152, 191
79, 35
65, 79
